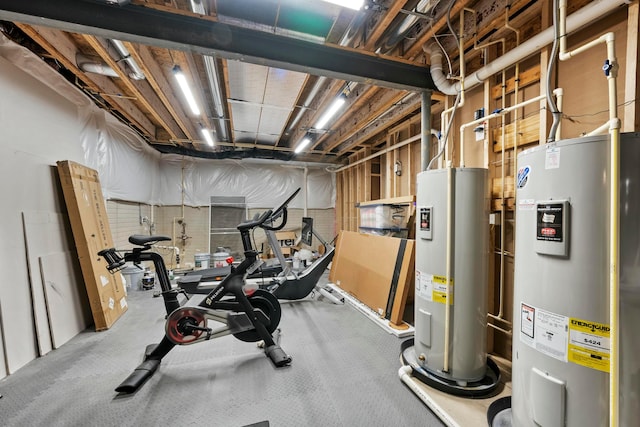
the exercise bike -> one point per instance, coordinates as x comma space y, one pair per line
280, 279
249, 315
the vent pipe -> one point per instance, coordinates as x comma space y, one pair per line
587, 15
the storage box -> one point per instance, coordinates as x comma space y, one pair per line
91, 232
383, 216
286, 238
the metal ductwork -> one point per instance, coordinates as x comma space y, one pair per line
90, 65
404, 23
214, 83
136, 72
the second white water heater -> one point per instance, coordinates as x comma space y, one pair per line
561, 331
454, 222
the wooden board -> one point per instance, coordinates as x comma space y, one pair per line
527, 77
44, 233
459, 411
528, 133
496, 188
376, 270
92, 233
65, 295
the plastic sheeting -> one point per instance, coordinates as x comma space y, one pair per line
263, 185
127, 166
131, 170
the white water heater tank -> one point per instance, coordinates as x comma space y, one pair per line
467, 354
561, 333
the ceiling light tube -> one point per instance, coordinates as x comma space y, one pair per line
331, 111
206, 133
302, 144
351, 4
182, 81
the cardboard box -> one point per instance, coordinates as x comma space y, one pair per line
91, 232
286, 238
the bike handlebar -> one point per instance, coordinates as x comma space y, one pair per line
270, 215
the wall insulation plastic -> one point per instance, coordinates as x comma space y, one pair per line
133, 171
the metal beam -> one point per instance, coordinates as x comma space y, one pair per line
139, 24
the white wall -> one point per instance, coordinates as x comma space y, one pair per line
37, 128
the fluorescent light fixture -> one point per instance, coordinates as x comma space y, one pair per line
351, 4
331, 111
302, 144
182, 81
206, 133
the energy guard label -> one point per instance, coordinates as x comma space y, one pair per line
433, 288
589, 344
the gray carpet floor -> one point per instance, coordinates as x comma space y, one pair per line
344, 373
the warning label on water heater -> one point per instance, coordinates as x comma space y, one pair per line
589, 344
550, 225
565, 338
433, 288
545, 331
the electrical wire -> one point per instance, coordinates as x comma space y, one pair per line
571, 117
435, 37
446, 135
557, 115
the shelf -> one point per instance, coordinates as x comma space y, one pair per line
404, 200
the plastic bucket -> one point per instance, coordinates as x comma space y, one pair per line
133, 276
220, 259
202, 260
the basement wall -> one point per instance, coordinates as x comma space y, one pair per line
127, 218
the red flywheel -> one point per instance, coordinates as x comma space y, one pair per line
179, 326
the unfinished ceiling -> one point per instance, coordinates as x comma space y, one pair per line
262, 72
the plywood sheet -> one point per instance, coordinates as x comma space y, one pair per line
376, 270
65, 296
44, 233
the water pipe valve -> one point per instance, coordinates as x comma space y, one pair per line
607, 67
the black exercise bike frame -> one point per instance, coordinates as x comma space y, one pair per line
233, 284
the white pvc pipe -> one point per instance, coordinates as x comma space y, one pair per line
614, 203
384, 151
90, 66
447, 301
559, 93
403, 374
587, 15
494, 115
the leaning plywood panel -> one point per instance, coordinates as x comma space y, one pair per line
376, 270
44, 233
92, 233
65, 296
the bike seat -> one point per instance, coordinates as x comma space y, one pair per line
143, 240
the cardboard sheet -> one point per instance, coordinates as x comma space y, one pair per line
376, 270
92, 233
